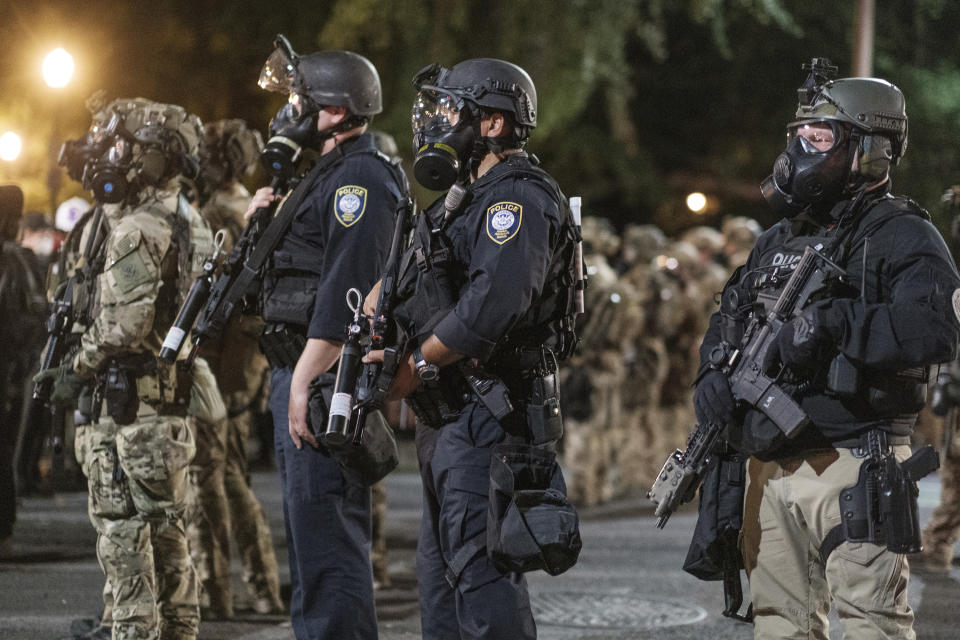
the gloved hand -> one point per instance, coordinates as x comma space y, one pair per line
67, 384
713, 400
801, 345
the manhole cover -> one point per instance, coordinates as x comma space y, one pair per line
611, 611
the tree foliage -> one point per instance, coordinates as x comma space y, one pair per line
639, 100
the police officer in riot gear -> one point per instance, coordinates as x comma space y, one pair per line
856, 362
489, 288
338, 239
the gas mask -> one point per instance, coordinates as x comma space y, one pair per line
291, 130
813, 169
444, 139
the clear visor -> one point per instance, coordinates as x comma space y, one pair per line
816, 137
434, 109
277, 73
119, 152
102, 130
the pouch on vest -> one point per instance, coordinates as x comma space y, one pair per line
375, 456
289, 298
719, 520
530, 523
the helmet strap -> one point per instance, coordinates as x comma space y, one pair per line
347, 124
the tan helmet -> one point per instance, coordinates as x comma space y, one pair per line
642, 243
741, 234
599, 236
708, 241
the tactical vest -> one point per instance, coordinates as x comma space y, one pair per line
291, 281
889, 396
550, 320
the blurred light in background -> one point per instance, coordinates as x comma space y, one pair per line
697, 202
57, 68
10, 146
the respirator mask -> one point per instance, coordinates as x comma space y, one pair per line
291, 130
443, 138
813, 169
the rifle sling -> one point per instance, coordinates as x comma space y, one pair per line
279, 225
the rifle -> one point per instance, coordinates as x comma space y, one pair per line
60, 324
210, 305
682, 473
367, 387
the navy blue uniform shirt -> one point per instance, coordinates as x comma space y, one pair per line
342, 231
504, 241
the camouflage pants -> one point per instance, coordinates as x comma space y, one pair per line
944, 527
250, 528
208, 516
378, 550
137, 478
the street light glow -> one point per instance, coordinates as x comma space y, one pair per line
57, 68
696, 202
10, 146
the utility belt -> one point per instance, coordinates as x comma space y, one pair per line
525, 401
124, 382
882, 507
282, 344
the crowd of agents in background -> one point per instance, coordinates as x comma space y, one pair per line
628, 391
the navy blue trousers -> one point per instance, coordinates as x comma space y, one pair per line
455, 469
327, 521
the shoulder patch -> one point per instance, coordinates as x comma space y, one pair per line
126, 265
956, 304
349, 203
503, 221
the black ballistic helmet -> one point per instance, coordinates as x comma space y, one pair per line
493, 85
328, 78
446, 116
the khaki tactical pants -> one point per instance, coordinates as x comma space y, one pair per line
137, 477
790, 506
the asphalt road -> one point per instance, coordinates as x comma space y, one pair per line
627, 584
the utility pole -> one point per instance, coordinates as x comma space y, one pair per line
863, 26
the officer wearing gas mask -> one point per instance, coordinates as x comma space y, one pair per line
488, 309
134, 444
855, 359
338, 239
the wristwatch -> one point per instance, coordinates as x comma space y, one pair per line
427, 372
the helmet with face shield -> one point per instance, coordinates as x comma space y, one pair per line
447, 111
845, 137
312, 82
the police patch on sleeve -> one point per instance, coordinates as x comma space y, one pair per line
349, 203
503, 221
956, 304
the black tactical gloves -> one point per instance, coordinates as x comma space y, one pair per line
712, 399
802, 345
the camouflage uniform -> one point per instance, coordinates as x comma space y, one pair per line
137, 473
942, 531
231, 150
240, 370
646, 357
592, 381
